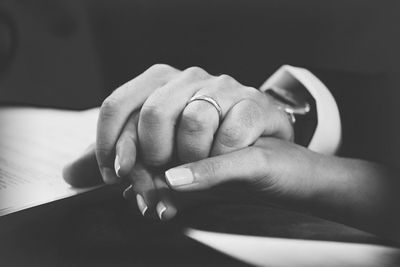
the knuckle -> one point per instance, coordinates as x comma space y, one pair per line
251, 106
232, 137
195, 72
194, 121
226, 80
208, 170
109, 107
253, 93
152, 114
160, 68
249, 113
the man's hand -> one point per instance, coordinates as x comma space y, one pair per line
150, 116
148, 124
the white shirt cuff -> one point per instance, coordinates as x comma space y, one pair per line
328, 133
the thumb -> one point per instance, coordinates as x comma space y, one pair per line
246, 164
83, 171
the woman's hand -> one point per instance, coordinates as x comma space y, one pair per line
274, 169
354, 192
150, 116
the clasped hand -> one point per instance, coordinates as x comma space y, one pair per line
149, 135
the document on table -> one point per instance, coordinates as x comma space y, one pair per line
286, 252
35, 144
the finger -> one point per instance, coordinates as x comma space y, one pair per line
198, 123
166, 209
129, 194
200, 119
247, 164
84, 171
116, 109
126, 148
143, 189
246, 122
160, 112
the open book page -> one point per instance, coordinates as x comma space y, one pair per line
286, 252
35, 144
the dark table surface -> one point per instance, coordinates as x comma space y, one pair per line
100, 228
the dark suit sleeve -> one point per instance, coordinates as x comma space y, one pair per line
369, 110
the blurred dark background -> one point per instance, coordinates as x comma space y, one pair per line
71, 54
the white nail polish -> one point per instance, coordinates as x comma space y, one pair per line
161, 208
126, 194
179, 176
117, 166
141, 204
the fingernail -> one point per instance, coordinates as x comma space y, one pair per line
141, 204
179, 176
127, 192
108, 176
117, 166
161, 208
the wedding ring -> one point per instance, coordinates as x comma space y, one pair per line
210, 100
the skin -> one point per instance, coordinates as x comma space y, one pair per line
148, 120
149, 115
251, 146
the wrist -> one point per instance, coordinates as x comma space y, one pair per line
298, 83
297, 176
358, 193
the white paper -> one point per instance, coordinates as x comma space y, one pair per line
35, 144
284, 252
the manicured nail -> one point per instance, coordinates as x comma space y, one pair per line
179, 176
108, 176
141, 204
161, 208
117, 166
127, 192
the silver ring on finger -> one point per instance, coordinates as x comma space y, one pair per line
210, 100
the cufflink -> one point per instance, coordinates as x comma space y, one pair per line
293, 105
